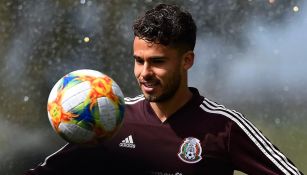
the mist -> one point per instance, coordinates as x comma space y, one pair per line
250, 56
272, 59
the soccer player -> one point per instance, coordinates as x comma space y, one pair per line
171, 128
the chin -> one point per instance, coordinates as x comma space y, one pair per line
150, 98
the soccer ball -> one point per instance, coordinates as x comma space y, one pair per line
86, 106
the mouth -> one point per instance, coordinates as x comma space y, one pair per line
148, 87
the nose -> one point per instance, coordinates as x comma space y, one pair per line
146, 71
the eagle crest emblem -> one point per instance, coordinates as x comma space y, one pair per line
190, 150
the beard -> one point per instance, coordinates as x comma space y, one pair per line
167, 91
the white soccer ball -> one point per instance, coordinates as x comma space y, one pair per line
85, 106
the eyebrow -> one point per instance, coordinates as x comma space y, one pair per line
135, 56
153, 57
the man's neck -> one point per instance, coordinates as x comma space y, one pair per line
165, 109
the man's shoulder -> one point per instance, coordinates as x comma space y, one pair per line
134, 105
129, 101
219, 111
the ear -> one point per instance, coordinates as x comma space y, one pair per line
188, 59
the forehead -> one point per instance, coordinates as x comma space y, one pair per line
143, 47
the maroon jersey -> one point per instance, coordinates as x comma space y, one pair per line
202, 137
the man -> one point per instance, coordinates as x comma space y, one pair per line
171, 128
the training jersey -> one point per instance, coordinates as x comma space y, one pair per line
202, 137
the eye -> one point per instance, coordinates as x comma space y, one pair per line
138, 60
158, 60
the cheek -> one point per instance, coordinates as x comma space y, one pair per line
163, 75
136, 71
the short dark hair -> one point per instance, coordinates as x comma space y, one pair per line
168, 25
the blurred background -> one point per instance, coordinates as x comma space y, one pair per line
251, 56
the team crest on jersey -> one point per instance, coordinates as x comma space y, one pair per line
190, 150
